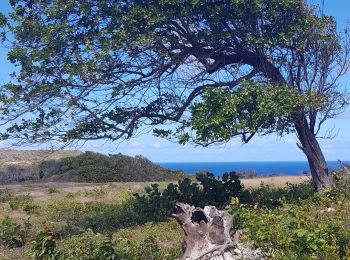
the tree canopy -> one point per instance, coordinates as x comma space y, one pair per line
109, 69
102, 69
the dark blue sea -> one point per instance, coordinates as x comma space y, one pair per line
261, 168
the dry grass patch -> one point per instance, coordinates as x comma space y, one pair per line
277, 181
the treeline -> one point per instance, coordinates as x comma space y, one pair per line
90, 167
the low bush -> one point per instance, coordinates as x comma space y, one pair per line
97, 246
21, 202
271, 197
157, 205
304, 230
52, 190
166, 239
87, 246
342, 178
11, 233
210, 190
146, 249
44, 245
95, 215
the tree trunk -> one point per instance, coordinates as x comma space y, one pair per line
207, 234
321, 178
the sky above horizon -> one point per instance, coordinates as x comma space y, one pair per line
265, 148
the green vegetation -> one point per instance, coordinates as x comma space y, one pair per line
208, 190
22, 202
95, 167
96, 216
52, 190
44, 245
11, 233
316, 226
81, 167
86, 225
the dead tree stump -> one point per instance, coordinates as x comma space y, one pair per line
207, 234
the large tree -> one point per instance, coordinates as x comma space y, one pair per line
109, 69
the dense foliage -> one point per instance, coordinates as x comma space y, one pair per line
207, 190
86, 167
11, 234
80, 62
251, 109
314, 227
95, 167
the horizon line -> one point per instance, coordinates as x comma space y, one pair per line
340, 161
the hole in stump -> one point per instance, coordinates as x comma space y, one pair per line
198, 216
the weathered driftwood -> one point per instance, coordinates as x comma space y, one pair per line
207, 234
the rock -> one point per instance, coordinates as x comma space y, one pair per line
327, 210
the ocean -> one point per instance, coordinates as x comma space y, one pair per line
261, 168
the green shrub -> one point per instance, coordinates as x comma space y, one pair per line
97, 246
95, 215
52, 190
44, 245
147, 249
342, 178
270, 197
299, 230
210, 190
21, 202
163, 240
70, 195
11, 234
87, 246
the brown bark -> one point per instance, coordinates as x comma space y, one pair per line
321, 177
207, 234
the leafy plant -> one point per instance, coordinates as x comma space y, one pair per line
87, 246
208, 190
44, 245
11, 234
270, 197
21, 202
302, 230
95, 215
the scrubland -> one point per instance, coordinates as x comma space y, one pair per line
106, 221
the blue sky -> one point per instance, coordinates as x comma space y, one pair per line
268, 148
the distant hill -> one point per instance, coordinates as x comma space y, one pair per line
32, 157
20, 166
